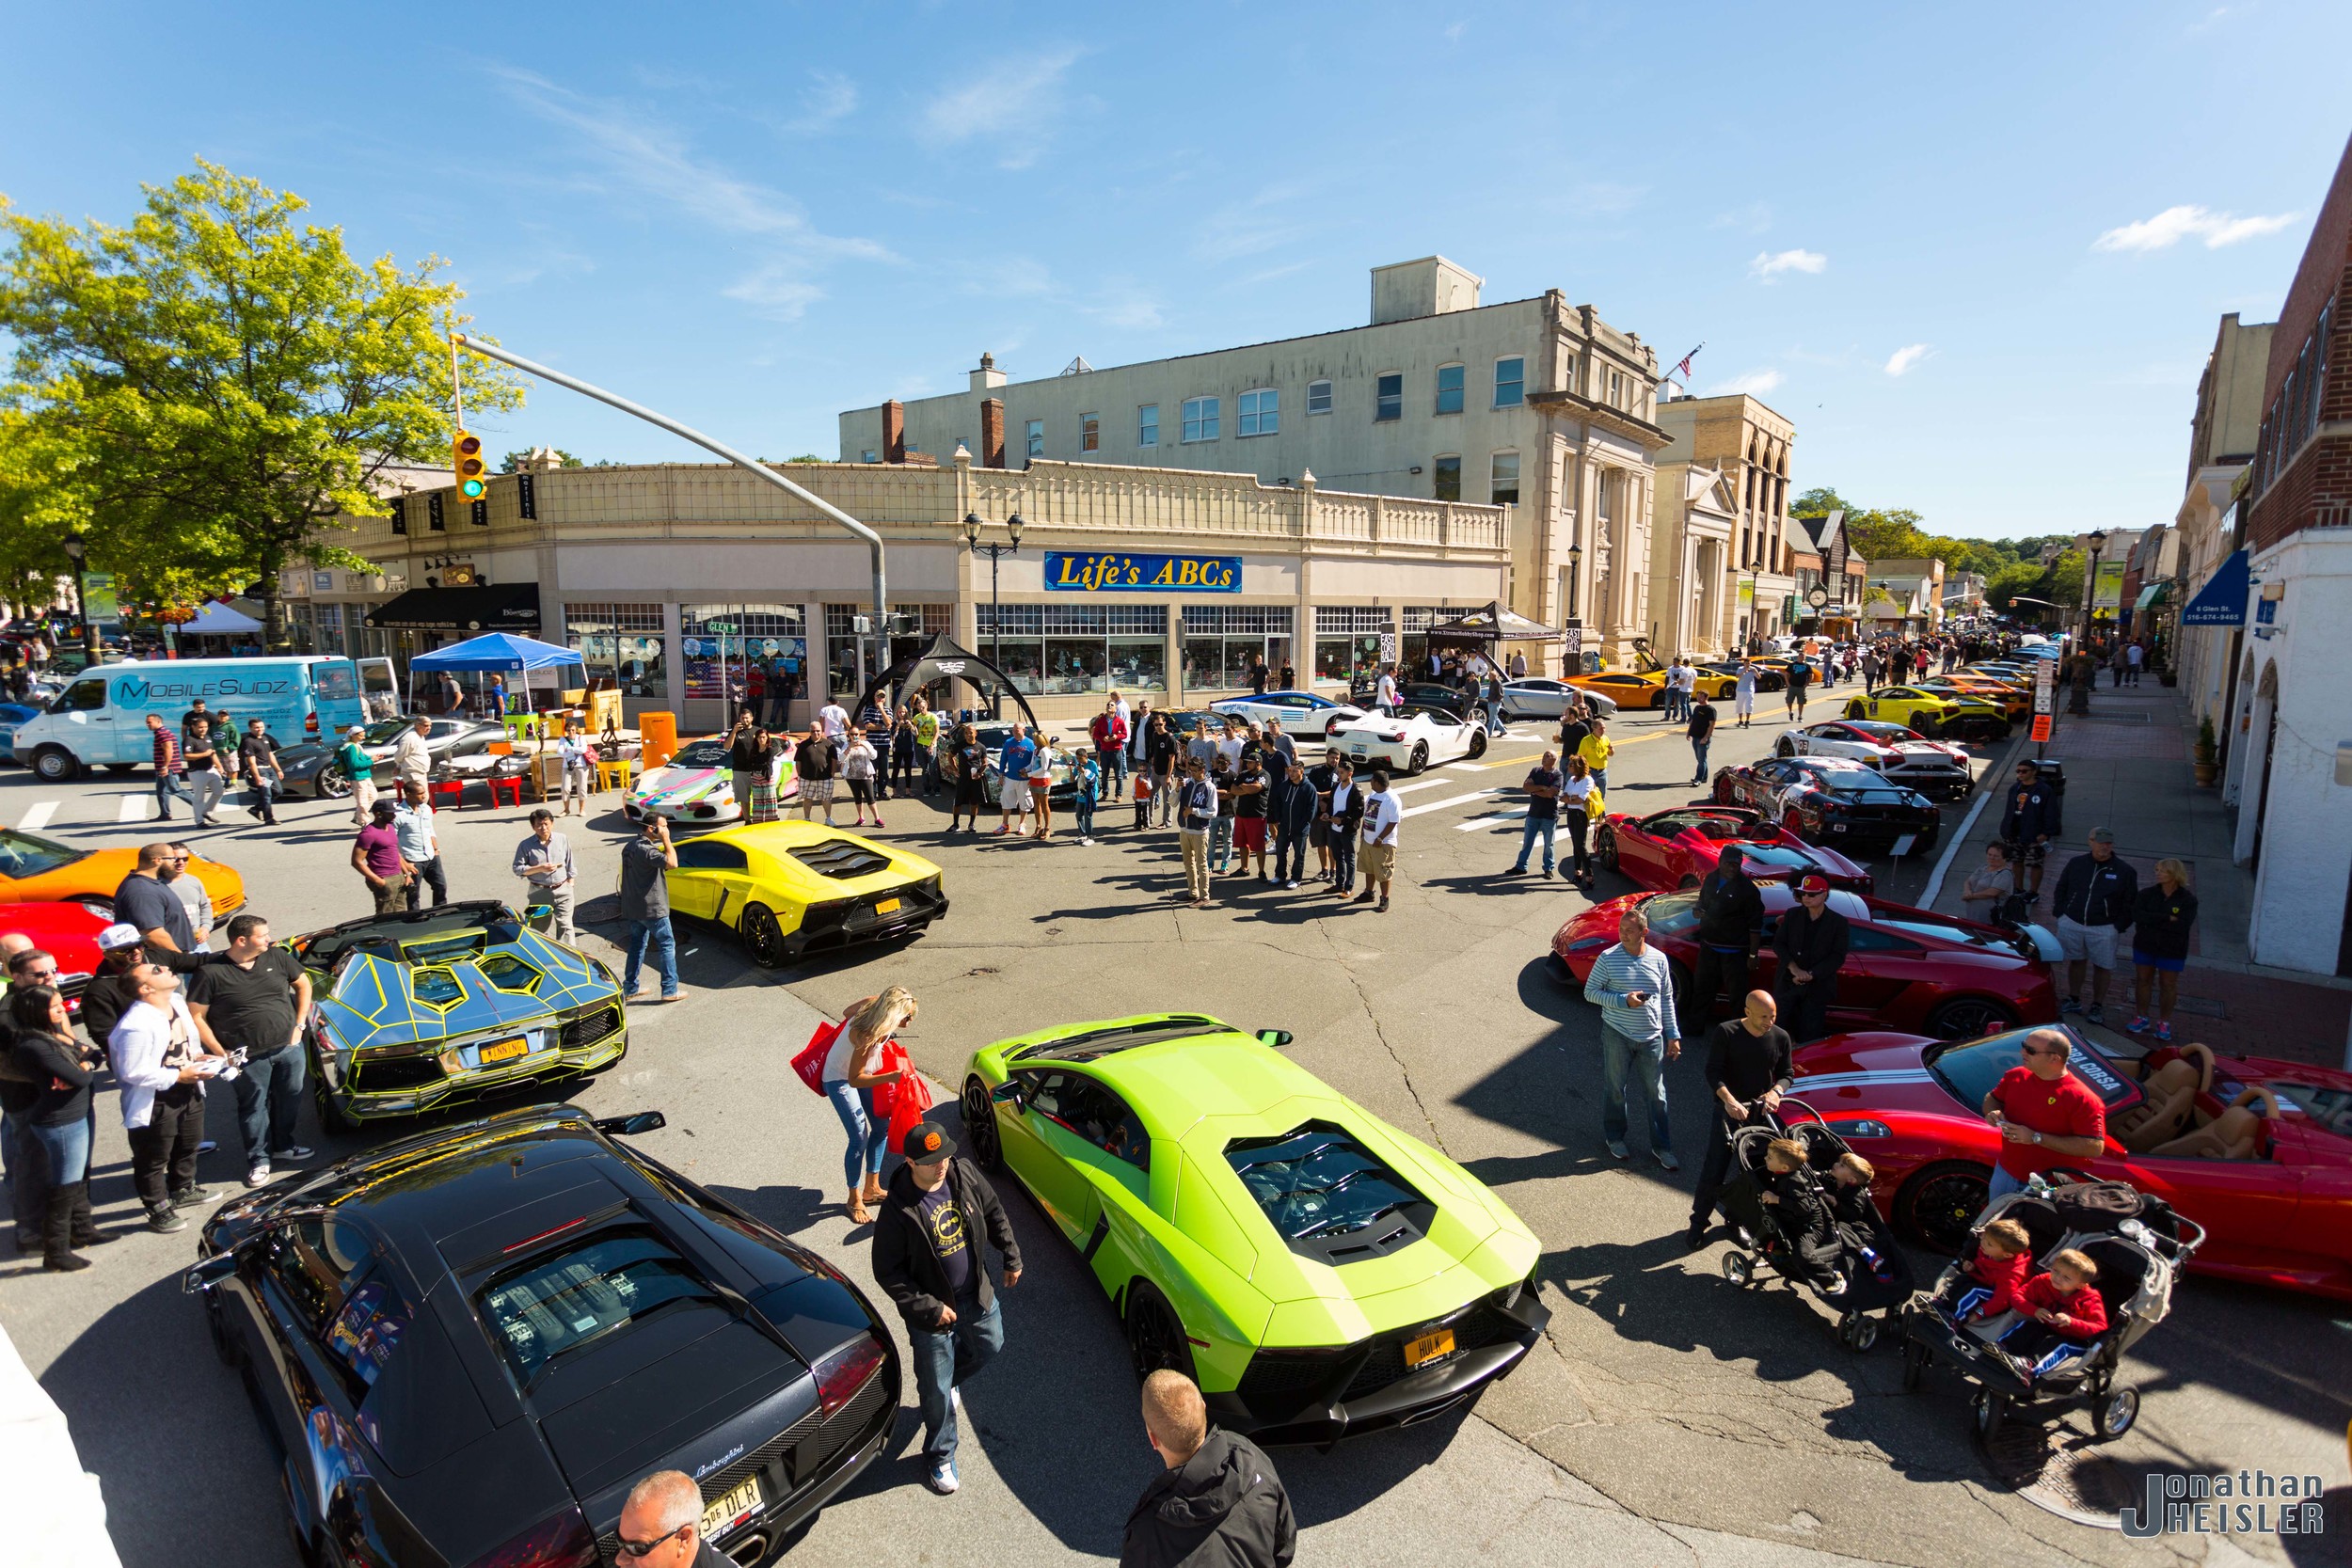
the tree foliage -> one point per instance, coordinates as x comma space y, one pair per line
1899, 533
203, 392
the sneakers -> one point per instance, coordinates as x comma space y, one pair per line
2094, 1013
256, 1175
1695, 1238
163, 1222
943, 1478
296, 1151
1291, 884
1382, 906
2164, 1031
1617, 1151
2138, 1026
195, 1198
206, 1147
2071, 1004
1666, 1158
1519, 871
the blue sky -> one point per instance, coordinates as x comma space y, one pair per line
1976, 253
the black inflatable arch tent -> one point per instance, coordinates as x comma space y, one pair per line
941, 659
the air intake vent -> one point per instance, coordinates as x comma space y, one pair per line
840, 859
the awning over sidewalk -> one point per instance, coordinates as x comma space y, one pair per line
2222, 601
499, 606
2155, 594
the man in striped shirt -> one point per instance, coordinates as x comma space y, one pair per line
170, 769
1633, 986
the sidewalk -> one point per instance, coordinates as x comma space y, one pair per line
2128, 768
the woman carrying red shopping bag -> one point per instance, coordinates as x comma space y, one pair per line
863, 1069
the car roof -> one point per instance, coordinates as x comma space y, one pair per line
1212, 1069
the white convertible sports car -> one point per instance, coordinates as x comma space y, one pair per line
1416, 736
1302, 713
1903, 755
696, 788
1541, 697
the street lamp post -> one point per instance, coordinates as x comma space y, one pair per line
75, 548
2078, 696
1569, 610
972, 526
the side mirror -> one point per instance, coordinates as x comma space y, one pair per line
629, 1125
1006, 1093
1275, 1037
208, 1273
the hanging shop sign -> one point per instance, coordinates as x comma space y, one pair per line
1118, 572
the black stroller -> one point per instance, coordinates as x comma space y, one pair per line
2138, 1244
1878, 1277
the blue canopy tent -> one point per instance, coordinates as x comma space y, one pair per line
543, 666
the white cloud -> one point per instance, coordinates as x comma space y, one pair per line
777, 291
827, 100
1769, 265
1756, 383
1903, 359
1272, 218
1013, 104
2176, 224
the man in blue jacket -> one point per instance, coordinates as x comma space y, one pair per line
1291, 803
2029, 819
2093, 905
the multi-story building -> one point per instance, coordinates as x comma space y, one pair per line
1690, 545
1536, 404
1914, 584
2292, 706
1748, 443
1845, 578
2222, 433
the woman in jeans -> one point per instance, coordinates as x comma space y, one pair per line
850, 1080
1575, 789
61, 1119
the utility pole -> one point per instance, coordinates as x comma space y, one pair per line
750, 465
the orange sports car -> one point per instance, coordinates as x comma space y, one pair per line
42, 870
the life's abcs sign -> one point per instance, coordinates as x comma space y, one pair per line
1118, 572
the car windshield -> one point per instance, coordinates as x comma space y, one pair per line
383, 732
1427, 710
602, 1286
1969, 1069
1317, 1182
452, 931
701, 753
25, 855
1671, 913
1093, 1043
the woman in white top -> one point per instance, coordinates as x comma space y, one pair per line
850, 1080
1575, 792
857, 765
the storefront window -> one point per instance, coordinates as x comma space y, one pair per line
723, 641
1223, 641
1077, 648
622, 644
330, 629
1348, 640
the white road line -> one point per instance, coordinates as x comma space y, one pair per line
134, 809
1425, 783
1452, 800
38, 816
1477, 822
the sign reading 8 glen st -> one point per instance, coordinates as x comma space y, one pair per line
1117, 572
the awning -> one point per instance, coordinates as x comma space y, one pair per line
1492, 624
495, 607
497, 650
2153, 593
2222, 601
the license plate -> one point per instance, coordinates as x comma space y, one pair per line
1360, 751
887, 906
731, 1509
504, 1051
1432, 1346
1902, 844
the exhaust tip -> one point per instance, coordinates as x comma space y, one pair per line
750, 1550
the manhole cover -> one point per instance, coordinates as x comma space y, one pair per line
2203, 1006
2060, 1471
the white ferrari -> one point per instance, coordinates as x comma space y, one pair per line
1300, 713
1415, 736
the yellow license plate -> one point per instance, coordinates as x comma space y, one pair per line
504, 1051
1432, 1346
731, 1509
888, 906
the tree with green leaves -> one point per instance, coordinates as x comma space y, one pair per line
205, 392
514, 461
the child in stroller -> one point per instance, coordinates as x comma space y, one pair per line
2111, 1252
1819, 1228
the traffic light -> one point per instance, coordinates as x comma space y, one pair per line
465, 458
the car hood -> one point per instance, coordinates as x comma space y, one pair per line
1879, 1070
375, 999
666, 786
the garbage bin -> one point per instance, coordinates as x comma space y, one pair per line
657, 730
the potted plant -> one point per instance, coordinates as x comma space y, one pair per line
2208, 753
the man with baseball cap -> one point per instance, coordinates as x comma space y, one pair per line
927, 1257
376, 855
1811, 945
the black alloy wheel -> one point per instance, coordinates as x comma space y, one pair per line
763, 937
979, 1124
1478, 743
1722, 788
1605, 847
1155, 1337
331, 1116
1784, 747
1937, 1206
1419, 761
1966, 1018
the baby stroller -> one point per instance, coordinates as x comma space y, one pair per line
1878, 1277
2138, 1244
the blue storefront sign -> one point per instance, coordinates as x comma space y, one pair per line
2222, 601
1118, 572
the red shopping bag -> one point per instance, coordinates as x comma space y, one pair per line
810, 1063
910, 1097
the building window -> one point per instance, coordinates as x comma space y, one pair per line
1035, 445
1616, 390
842, 640
1447, 485
1348, 640
719, 642
622, 644
1318, 397
868, 457
1260, 412
1148, 425
1073, 648
1389, 398
1089, 433
1503, 486
1223, 641
1448, 388
1510, 383
1200, 419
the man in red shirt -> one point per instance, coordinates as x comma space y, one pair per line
2045, 1115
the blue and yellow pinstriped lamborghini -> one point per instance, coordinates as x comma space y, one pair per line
441, 1006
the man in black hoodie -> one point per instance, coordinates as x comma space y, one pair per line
1218, 1503
928, 1258
1730, 920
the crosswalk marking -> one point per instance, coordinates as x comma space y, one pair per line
1451, 800
1477, 822
134, 809
38, 818
1425, 783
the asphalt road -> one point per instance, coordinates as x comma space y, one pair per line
1669, 1418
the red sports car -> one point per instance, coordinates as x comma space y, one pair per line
68, 931
1676, 848
2257, 1151
1906, 968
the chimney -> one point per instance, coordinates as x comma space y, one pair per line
988, 377
894, 432
991, 432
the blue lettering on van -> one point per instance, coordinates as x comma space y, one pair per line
140, 691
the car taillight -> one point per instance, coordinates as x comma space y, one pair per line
563, 1541
841, 1374
311, 724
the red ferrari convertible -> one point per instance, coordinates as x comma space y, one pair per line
68, 931
1907, 969
1676, 848
2256, 1151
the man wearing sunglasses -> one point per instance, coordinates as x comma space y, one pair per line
1811, 945
2046, 1115
662, 1525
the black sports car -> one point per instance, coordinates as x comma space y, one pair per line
1768, 677
470, 1344
1832, 801
312, 768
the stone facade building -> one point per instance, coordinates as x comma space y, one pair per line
1536, 404
2222, 433
1692, 531
1749, 444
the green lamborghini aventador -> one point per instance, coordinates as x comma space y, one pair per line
1318, 1273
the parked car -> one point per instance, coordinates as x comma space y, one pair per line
1542, 697
790, 888
68, 932
1412, 739
1834, 801
1302, 714
34, 869
1934, 713
1678, 847
1769, 677
1903, 755
315, 767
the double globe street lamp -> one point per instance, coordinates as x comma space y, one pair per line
996, 552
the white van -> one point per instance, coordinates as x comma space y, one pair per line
100, 719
